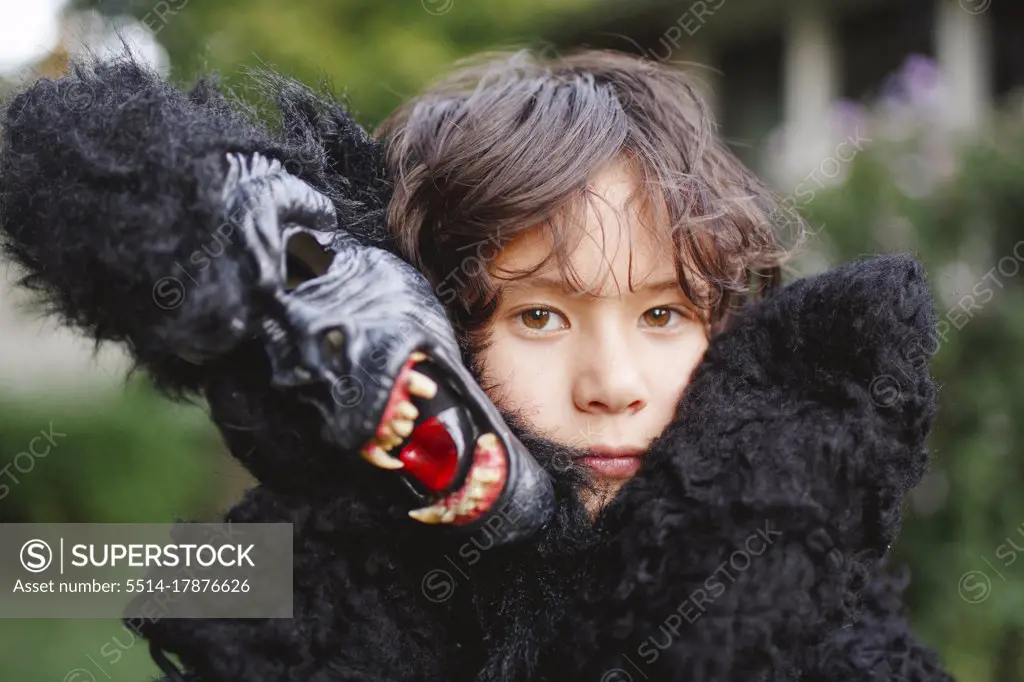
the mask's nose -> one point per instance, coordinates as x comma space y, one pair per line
323, 350
300, 350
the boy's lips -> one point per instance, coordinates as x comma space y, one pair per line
614, 462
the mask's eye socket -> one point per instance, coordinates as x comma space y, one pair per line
305, 259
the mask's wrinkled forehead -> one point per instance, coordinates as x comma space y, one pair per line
380, 300
372, 289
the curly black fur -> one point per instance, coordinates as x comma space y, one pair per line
783, 441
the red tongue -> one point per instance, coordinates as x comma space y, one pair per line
430, 455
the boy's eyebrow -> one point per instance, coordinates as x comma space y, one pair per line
561, 285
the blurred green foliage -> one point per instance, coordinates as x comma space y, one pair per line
122, 457
130, 457
73, 651
377, 52
964, 536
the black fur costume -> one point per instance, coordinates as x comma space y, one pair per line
750, 546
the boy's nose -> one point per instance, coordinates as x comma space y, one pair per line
608, 381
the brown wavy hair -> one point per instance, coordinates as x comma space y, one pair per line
509, 141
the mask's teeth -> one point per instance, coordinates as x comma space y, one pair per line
417, 356
487, 474
477, 490
387, 438
376, 456
433, 514
420, 385
407, 410
402, 427
488, 441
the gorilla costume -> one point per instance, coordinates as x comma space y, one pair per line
250, 265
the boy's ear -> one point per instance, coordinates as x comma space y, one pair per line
869, 323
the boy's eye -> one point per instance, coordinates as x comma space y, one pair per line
662, 317
540, 319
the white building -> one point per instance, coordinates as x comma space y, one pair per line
39, 357
784, 62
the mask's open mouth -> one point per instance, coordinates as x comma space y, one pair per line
429, 430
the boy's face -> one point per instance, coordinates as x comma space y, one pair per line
601, 372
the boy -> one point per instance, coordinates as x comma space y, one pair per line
628, 231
